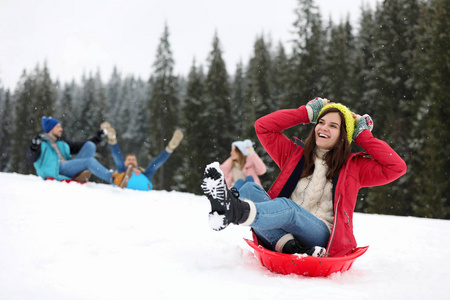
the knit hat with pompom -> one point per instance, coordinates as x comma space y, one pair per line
48, 123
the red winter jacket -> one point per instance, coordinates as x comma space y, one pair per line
379, 166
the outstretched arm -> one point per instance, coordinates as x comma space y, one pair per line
75, 146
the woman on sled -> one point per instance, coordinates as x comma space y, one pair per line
309, 208
243, 165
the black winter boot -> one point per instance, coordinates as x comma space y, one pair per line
294, 246
226, 207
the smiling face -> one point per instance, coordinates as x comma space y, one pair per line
328, 130
131, 160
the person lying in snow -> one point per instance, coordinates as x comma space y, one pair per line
243, 165
309, 208
129, 174
51, 155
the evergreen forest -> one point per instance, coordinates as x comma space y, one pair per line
393, 65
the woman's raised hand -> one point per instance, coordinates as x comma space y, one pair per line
362, 123
316, 106
250, 150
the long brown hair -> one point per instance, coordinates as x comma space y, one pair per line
241, 157
336, 157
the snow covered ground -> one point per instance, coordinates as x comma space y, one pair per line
95, 241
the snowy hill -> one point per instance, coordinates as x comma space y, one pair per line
95, 241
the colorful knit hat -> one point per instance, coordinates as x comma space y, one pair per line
48, 123
349, 120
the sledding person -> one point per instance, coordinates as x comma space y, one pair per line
129, 174
243, 165
314, 196
51, 155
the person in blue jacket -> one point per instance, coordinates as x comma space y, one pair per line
51, 155
129, 174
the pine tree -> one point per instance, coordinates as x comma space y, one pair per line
340, 67
66, 109
218, 105
260, 101
429, 166
164, 111
363, 64
45, 97
196, 121
239, 105
114, 99
363, 61
307, 67
137, 129
392, 98
126, 115
6, 130
24, 124
92, 108
279, 77
308, 57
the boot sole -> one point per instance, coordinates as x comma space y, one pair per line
214, 187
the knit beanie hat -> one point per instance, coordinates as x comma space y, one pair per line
348, 118
242, 146
48, 123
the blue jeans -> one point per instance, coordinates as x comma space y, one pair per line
85, 161
275, 218
240, 182
152, 167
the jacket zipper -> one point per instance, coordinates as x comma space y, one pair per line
333, 232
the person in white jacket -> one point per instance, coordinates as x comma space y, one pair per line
243, 165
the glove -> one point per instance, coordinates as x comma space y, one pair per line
101, 133
36, 140
362, 123
315, 106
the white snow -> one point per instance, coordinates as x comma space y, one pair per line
216, 221
95, 241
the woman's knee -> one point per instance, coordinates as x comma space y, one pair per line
254, 192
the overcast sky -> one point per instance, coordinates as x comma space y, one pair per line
78, 37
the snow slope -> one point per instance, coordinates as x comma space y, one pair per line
95, 241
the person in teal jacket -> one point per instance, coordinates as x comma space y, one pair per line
51, 155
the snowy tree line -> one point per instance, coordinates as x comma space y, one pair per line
394, 66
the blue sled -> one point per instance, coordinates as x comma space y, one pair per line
139, 182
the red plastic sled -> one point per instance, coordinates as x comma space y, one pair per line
303, 265
65, 180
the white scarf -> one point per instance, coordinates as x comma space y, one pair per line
52, 141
